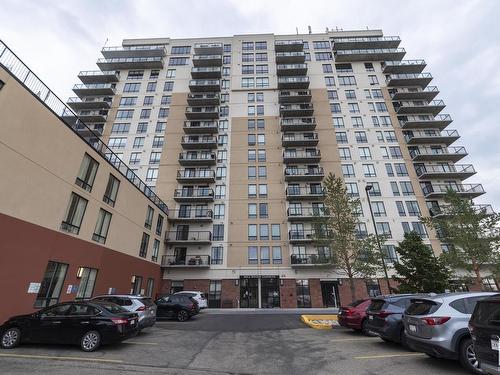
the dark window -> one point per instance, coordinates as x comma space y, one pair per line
144, 245
87, 278
87, 172
111, 190
159, 225
51, 285
74, 214
2, 84
102, 226
149, 217
303, 295
136, 285
214, 293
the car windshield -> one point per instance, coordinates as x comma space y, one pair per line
422, 307
377, 304
111, 307
487, 312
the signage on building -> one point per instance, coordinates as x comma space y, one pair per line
34, 288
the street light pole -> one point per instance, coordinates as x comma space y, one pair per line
367, 189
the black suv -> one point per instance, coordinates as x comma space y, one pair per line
178, 306
484, 327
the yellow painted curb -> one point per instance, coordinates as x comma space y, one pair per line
320, 321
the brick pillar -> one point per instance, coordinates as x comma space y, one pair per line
315, 292
383, 286
201, 285
345, 291
165, 285
288, 293
230, 293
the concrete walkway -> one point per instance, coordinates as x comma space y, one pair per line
277, 311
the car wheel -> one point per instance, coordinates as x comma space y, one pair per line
467, 356
90, 341
182, 316
11, 338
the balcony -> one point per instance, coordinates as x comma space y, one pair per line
190, 194
98, 76
291, 69
203, 99
189, 238
304, 174
87, 115
206, 72
195, 176
301, 236
94, 89
204, 85
208, 48
381, 54
207, 60
89, 103
197, 158
468, 191
133, 51
296, 110
485, 209
431, 136
293, 82
199, 142
303, 96
190, 215
290, 57
457, 171
414, 93
410, 79
311, 260
299, 139
298, 124
438, 154
199, 113
201, 127
289, 45
403, 67
130, 63
368, 42
438, 122
304, 193
193, 261
302, 156
433, 107
305, 213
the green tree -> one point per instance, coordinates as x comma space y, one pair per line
337, 230
418, 269
472, 233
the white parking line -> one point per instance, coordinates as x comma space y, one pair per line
357, 339
140, 343
390, 355
62, 358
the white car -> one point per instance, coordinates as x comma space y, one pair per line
198, 296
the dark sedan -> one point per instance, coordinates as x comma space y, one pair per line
181, 307
88, 324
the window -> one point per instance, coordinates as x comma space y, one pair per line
264, 255
149, 217
138, 142
343, 68
247, 57
377, 94
369, 170
252, 232
277, 257
159, 225
219, 211
111, 190
74, 214
323, 56
372, 79
168, 86
275, 232
218, 232
158, 141
160, 127
413, 208
375, 190
384, 229
247, 69
128, 101
332, 95
327, 68
226, 59
136, 285
252, 255
262, 190
102, 226
361, 137
373, 288
117, 142
154, 157
335, 108
135, 74
401, 170
347, 80
252, 156
262, 56
353, 107
395, 152
170, 73
348, 170
261, 82
131, 87
345, 153
145, 113
177, 61
144, 245
51, 285
252, 173
364, 153
341, 137
338, 122
350, 94
180, 50
151, 174
220, 192
407, 188
247, 46
324, 44
390, 136
163, 112
395, 189
260, 45
142, 127
352, 189
252, 210
389, 170
357, 122
263, 210
87, 278
381, 107
401, 208
261, 155
124, 114
151, 87
329, 81
303, 295
220, 173
217, 255
135, 158
166, 100
87, 172
120, 127
369, 67
247, 82
378, 209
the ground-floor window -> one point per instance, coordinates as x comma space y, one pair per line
303, 294
177, 286
489, 284
458, 286
150, 287
136, 285
51, 285
373, 288
214, 293
87, 278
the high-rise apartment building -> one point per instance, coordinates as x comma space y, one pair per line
235, 134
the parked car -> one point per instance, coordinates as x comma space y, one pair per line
385, 315
354, 315
87, 323
181, 307
198, 296
438, 326
484, 327
142, 305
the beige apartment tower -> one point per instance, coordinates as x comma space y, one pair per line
235, 134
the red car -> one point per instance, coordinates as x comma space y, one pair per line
354, 315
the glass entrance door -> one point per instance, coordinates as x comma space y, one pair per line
249, 293
270, 292
330, 293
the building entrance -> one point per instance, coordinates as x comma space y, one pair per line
270, 292
330, 293
249, 292
259, 292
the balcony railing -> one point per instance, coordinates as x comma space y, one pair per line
195, 174
134, 51
290, 57
412, 107
310, 260
292, 96
366, 42
291, 69
445, 171
192, 158
94, 89
200, 127
409, 79
412, 93
197, 85
468, 190
297, 139
98, 76
206, 72
403, 66
191, 214
188, 261
14, 65
449, 153
189, 237
207, 98
376, 54
194, 142
208, 48
288, 45
90, 102
202, 112
193, 194
207, 60
432, 136
130, 63
297, 124
305, 191
306, 155
306, 212
439, 122
292, 173
293, 82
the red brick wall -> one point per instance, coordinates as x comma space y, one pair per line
345, 291
230, 292
383, 286
201, 285
315, 292
165, 286
288, 293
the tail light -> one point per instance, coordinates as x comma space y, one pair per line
191, 306
142, 308
384, 314
119, 321
349, 312
436, 320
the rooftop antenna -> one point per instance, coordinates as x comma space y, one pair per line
309, 28
297, 30
327, 30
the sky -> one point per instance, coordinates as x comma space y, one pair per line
459, 40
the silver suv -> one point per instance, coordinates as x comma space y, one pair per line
438, 326
142, 305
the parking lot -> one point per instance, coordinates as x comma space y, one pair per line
230, 344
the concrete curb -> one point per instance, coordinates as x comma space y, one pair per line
320, 321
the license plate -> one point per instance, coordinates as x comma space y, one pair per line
412, 328
132, 322
494, 344
370, 317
